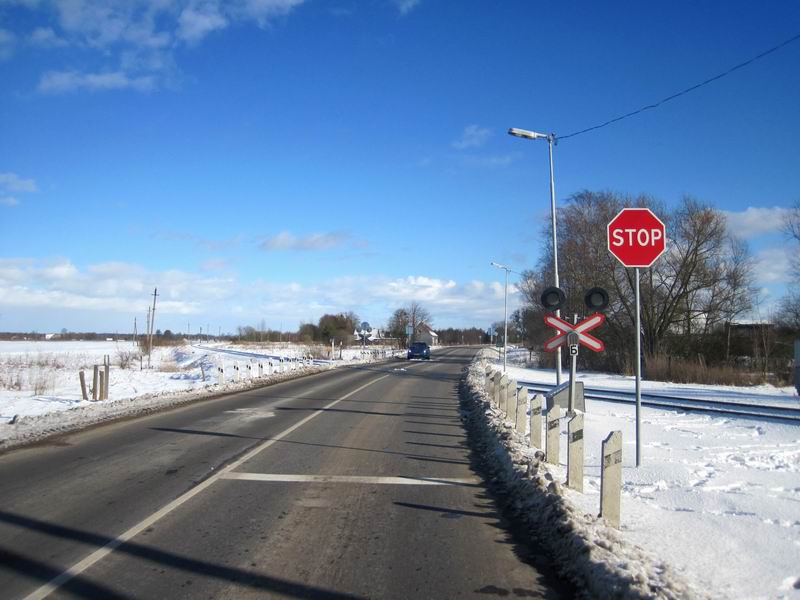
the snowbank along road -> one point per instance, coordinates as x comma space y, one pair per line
346, 484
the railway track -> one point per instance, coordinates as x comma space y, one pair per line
741, 409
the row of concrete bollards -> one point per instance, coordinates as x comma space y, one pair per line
281, 365
512, 401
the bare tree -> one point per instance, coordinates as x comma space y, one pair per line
791, 225
418, 315
703, 279
397, 325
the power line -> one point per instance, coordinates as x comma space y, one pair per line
686, 91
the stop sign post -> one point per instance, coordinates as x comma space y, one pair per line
636, 237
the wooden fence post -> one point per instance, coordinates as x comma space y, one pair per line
95, 378
107, 379
102, 383
82, 377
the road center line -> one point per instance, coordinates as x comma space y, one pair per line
99, 554
370, 480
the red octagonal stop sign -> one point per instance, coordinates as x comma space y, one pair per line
636, 237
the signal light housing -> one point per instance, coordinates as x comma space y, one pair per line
596, 299
553, 298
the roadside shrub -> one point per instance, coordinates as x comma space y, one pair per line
41, 381
128, 358
679, 370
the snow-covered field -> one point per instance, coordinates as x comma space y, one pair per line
39, 380
717, 497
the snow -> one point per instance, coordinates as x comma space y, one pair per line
716, 497
40, 390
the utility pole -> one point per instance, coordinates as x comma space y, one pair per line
134, 330
152, 326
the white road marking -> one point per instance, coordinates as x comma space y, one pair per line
101, 553
370, 480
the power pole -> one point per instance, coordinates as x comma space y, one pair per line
134, 330
147, 328
152, 326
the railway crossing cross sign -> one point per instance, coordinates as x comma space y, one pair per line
579, 330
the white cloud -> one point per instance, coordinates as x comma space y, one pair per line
59, 82
134, 40
262, 11
11, 183
7, 43
772, 266
753, 221
406, 6
196, 24
45, 37
123, 289
14, 183
473, 136
59, 285
492, 161
214, 264
316, 241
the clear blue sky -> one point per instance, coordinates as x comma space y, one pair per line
278, 159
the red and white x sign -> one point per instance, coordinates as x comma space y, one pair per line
581, 329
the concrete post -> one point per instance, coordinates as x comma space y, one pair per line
488, 381
102, 383
237, 374
502, 401
575, 452
260, 370
250, 371
95, 378
82, 377
553, 434
269, 369
611, 478
522, 410
511, 398
498, 376
220, 375
536, 421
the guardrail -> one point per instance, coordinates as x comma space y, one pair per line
746, 409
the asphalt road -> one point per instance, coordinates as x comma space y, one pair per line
354, 483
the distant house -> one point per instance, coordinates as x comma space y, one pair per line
427, 335
750, 327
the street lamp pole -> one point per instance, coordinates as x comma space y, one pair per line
551, 139
505, 315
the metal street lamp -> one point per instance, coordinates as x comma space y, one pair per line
551, 139
505, 314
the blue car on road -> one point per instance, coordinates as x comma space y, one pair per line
419, 350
